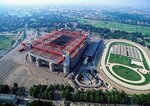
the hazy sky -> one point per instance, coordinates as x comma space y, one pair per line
132, 3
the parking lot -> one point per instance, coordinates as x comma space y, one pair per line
129, 51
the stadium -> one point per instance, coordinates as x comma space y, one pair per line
59, 50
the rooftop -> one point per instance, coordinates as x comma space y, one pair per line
7, 96
92, 48
53, 45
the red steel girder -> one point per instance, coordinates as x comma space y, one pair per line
47, 50
60, 60
77, 45
39, 40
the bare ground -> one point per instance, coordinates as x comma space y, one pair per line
27, 74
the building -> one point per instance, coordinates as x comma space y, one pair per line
92, 53
92, 48
8, 98
60, 50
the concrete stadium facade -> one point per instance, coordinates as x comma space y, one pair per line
69, 60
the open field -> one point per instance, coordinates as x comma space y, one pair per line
6, 41
119, 72
26, 73
29, 74
116, 26
126, 73
114, 58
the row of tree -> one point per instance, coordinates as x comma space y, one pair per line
98, 96
95, 96
13, 90
115, 34
141, 99
48, 91
40, 103
65, 92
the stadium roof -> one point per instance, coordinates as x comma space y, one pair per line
92, 49
53, 45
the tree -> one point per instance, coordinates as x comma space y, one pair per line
40, 103
56, 87
14, 88
135, 99
42, 89
91, 97
50, 95
123, 98
81, 98
61, 87
45, 94
7, 104
31, 91
65, 94
35, 90
97, 96
15, 85
77, 95
87, 96
4, 89
21, 91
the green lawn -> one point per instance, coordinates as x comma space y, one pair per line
126, 73
126, 61
147, 78
115, 58
145, 62
116, 26
6, 41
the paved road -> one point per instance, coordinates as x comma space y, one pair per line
17, 41
114, 81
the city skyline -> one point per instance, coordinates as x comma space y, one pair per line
124, 3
